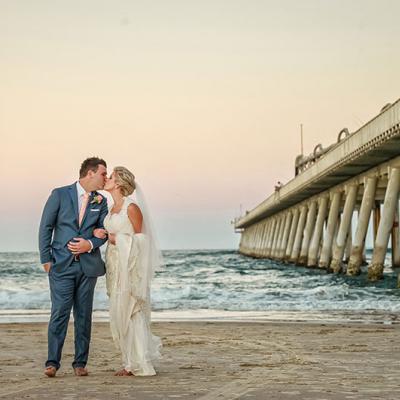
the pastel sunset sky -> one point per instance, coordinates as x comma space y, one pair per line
202, 100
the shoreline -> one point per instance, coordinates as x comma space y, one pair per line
215, 361
204, 315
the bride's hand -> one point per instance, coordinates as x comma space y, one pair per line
111, 238
100, 233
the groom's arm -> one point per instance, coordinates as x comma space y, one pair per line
96, 242
47, 224
87, 245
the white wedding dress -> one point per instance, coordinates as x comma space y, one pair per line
128, 287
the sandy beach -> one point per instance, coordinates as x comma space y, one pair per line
216, 360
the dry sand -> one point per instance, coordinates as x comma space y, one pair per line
216, 360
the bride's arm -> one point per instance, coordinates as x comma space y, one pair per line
101, 233
135, 217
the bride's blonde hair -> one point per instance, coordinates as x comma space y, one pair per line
125, 179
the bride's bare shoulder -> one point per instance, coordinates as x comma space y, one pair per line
134, 209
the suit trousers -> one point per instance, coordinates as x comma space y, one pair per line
70, 289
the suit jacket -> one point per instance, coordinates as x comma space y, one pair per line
59, 224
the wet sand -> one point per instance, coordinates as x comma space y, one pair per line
215, 360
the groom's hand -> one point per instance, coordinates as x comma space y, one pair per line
47, 267
79, 246
100, 233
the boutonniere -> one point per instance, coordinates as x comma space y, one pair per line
97, 199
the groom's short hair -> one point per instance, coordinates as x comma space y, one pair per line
91, 164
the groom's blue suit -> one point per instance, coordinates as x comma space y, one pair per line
72, 281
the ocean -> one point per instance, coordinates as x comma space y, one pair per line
217, 284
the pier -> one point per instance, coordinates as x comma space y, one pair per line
320, 219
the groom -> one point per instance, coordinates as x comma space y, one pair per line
70, 255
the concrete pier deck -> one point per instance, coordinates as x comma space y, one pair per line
321, 217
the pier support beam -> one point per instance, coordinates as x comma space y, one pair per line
377, 218
375, 270
340, 243
259, 239
256, 240
262, 243
246, 242
280, 238
292, 234
285, 237
262, 239
271, 238
299, 235
330, 230
308, 231
276, 236
253, 240
316, 238
266, 236
349, 242
356, 257
395, 239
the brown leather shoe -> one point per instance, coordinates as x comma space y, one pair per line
50, 371
81, 371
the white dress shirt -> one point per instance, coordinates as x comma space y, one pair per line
81, 191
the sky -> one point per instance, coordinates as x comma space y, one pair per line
201, 100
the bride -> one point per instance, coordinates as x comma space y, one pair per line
131, 258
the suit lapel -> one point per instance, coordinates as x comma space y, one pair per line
74, 197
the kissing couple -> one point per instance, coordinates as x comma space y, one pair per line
75, 223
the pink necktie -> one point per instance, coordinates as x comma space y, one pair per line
83, 207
